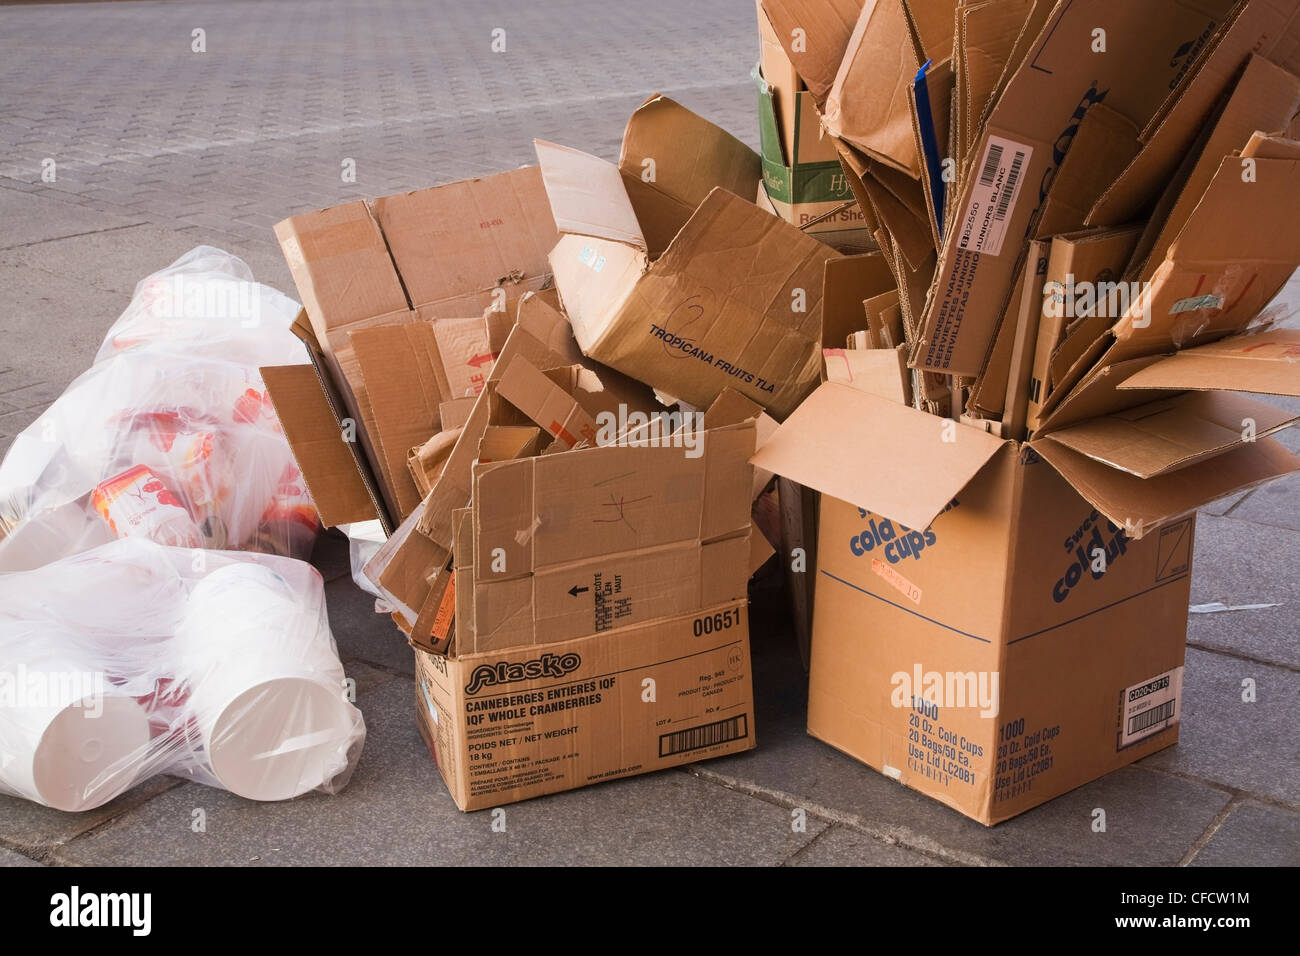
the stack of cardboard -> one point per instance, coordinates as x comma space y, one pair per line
569, 559
1000, 273
1084, 207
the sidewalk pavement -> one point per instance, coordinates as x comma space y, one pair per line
158, 149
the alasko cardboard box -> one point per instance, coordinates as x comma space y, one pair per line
529, 721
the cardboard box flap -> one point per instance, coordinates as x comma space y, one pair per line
672, 159
329, 465
894, 460
1267, 363
1140, 504
1172, 433
452, 241
404, 378
1236, 251
587, 195
815, 34
341, 265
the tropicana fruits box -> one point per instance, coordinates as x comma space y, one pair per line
528, 721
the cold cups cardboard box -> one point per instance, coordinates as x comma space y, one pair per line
522, 723
996, 623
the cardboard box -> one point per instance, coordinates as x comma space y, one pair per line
997, 623
801, 166
733, 301
514, 725
651, 524
394, 292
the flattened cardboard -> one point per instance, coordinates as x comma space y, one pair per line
587, 195
1172, 433
454, 244
466, 355
898, 462
1018, 150
1267, 27
542, 335
1236, 252
595, 538
1266, 97
1089, 258
822, 29
400, 366
1140, 505
847, 282
426, 462
868, 102
329, 465
1267, 363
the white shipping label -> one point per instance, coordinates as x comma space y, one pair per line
998, 179
1149, 707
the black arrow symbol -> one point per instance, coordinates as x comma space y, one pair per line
575, 590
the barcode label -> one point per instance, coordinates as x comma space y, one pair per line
1154, 716
1150, 706
706, 735
991, 162
1009, 190
993, 196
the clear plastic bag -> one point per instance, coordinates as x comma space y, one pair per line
135, 659
170, 434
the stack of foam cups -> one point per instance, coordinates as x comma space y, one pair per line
68, 738
266, 689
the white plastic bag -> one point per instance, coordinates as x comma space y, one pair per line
135, 659
170, 434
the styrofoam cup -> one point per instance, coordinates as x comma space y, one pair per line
71, 754
266, 687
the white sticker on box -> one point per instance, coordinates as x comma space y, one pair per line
999, 176
1150, 706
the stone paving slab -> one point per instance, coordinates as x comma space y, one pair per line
1246, 746
1239, 562
396, 811
10, 858
32, 218
1254, 835
840, 846
37, 830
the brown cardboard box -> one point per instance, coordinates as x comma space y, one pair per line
734, 301
522, 723
390, 285
802, 177
1022, 143
996, 623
